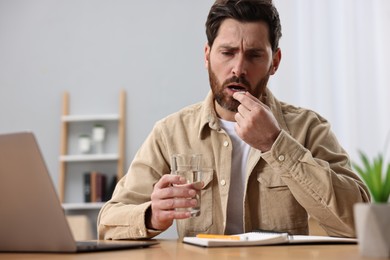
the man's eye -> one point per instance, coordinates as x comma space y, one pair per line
227, 53
255, 55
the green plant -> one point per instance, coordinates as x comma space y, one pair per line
376, 177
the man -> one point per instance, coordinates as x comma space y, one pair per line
272, 164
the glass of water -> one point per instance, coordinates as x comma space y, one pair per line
189, 167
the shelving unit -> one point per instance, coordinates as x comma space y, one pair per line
89, 157
67, 158
82, 206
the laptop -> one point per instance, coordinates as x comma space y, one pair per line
31, 216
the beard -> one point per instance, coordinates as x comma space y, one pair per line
228, 102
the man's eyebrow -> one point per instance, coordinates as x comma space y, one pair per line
230, 47
255, 50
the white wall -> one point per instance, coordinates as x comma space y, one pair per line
152, 49
335, 60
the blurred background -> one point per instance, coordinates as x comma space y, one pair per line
335, 60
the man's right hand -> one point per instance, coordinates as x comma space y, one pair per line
166, 196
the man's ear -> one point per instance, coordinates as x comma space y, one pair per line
207, 55
277, 56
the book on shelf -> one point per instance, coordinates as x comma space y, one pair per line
96, 187
261, 238
87, 187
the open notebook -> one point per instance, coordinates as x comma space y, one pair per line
32, 218
262, 239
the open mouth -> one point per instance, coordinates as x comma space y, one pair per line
237, 88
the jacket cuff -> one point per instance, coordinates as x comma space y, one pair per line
285, 153
139, 229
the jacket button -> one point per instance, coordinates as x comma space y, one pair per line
226, 143
223, 182
281, 158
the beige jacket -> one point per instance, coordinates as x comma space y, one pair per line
305, 172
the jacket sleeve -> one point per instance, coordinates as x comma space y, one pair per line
123, 216
318, 173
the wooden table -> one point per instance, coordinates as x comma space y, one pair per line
173, 249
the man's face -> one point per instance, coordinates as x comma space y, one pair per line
241, 59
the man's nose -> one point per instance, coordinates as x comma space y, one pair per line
239, 66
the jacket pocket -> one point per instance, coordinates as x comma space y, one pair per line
279, 209
271, 180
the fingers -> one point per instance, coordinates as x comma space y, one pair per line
174, 186
174, 197
175, 203
255, 123
250, 108
170, 193
161, 220
197, 185
243, 112
248, 101
168, 180
245, 98
247, 105
183, 191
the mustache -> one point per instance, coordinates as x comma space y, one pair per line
237, 80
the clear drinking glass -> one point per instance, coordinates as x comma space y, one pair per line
188, 166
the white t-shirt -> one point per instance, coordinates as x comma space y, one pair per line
235, 207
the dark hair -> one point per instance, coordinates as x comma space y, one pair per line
244, 11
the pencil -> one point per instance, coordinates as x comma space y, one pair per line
214, 236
